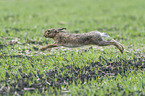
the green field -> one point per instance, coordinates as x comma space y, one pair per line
85, 71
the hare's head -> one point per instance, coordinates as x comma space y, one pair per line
51, 33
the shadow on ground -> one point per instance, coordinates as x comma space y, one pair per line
73, 73
1, 46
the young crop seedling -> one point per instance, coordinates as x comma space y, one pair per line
61, 38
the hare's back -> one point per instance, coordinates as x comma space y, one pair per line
98, 34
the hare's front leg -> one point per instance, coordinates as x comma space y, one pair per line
48, 46
112, 42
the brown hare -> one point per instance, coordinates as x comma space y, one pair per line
61, 38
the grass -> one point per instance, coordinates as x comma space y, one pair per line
82, 71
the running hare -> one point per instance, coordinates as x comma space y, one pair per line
62, 38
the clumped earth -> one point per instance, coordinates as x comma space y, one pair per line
55, 80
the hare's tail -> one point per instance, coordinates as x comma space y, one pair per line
104, 35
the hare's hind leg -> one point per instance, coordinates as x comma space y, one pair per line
111, 42
48, 46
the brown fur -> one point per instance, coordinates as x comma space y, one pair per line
62, 38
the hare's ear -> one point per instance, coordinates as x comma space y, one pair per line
60, 29
63, 28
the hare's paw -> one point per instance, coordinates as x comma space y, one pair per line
42, 48
121, 48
